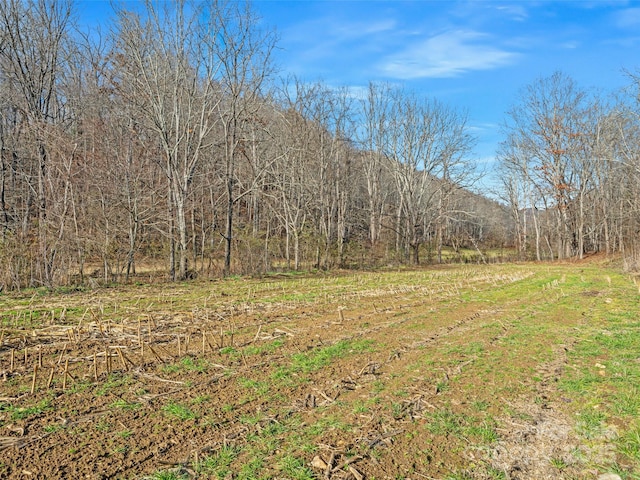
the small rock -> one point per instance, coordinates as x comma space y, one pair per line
609, 476
318, 463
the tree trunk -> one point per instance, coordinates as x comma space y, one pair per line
229, 227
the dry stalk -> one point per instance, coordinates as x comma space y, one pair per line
107, 356
155, 354
95, 366
50, 377
64, 349
121, 355
33, 380
257, 333
327, 471
64, 375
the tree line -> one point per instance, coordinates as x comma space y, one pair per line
570, 168
171, 141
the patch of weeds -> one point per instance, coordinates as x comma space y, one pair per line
318, 359
359, 408
459, 476
121, 449
113, 381
187, 364
21, 413
53, 427
251, 469
264, 445
444, 422
294, 468
79, 387
442, 386
260, 388
397, 410
273, 429
589, 423
122, 404
493, 473
378, 386
627, 403
220, 463
327, 423
252, 419
228, 351
558, 463
103, 425
199, 400
582, 384
179, 411
484, 431
263, 349
125, 434
168, 475
629, 444
480, 405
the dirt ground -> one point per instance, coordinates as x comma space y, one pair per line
446, 373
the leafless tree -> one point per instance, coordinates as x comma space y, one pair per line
169, 65
243, 52
32, 57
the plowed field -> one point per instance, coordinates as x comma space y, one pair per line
471, 372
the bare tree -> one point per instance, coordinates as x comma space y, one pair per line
552, 132
32, 58
373, 139
243, 52
169, 64
428, 143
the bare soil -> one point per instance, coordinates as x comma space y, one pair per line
446, 373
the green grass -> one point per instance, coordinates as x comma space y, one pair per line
219, 464
629, 444
179, 411
471, 380
23, 413
113, 382
295, 469
168, 475
445, 422
125, 405
187, 364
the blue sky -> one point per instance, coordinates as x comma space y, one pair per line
475, 55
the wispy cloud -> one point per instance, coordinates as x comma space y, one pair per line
449, 54
627, 18
516, 12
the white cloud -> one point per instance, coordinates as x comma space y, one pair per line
627, 18
449, 54
516, 12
